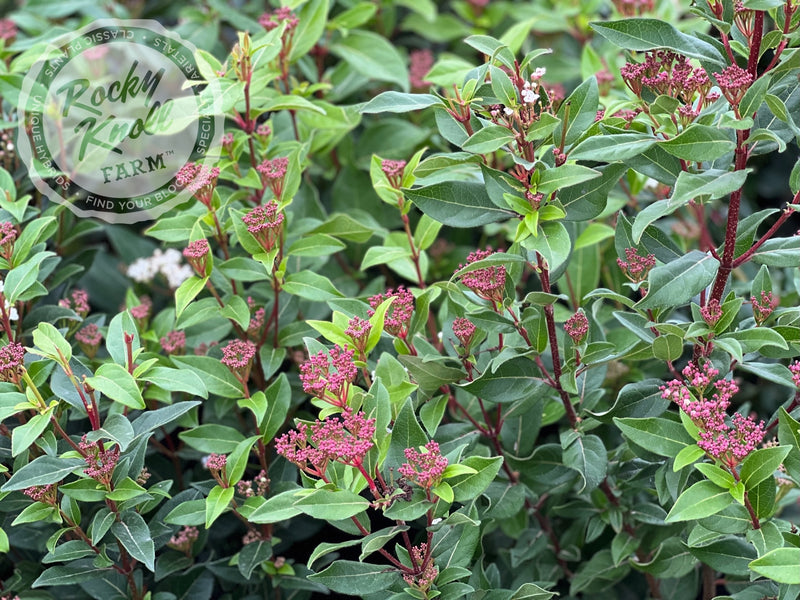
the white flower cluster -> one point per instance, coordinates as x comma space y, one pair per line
11, 311
169, 263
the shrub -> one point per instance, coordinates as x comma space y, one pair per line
507, 322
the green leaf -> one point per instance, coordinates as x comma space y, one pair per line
553, 243
153, 419
278, 396
699, 143
311, 286
752, 340
789, 435
126, 489
714, 183
664, 437
488, 139
191, 513
399, 102
716, 475
252, 556
378, 539
687, 456
324, 548
331, 505
618, 146
668, 347
121, 324
380, 255
406, 433
42, 471
780, 565
219, 439
24, 435
761, 464
216, 376
649, 34
564, 176
177, 380
116, 383
510, 381
677, 282
187, 292
469, 486
217, 502
21, 278
728, 555
49, 340
277, 508
703, 499
355, 578
779, 252
134, 534
372, 56
587, 455
316, 244
310, 27
69, 574
582, 106
457, 204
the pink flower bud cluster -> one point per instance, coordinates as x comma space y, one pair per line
795, 369
183, 540
200, 180
89, 338
100, 461
424, 468
256, 321
8, 235
78, 301
634, 8
636, 267
273, 173
426, 572
464, 330
732, 444
489, 282
665, 72
358, 330
196, 254
174, 342
284, 14
729, 443
734, 82
577, 326
227, 142
398, 316
344, 439
421, 62
263, 131
42, 493
141, 312
265, 223
216, 462
89, 335
711, 312
328, 375
763, 308
8, 30
238, 355
261, 481
12, 357
393, 169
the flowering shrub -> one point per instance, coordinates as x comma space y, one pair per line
481, 300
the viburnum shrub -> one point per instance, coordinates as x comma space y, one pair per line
481, 300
